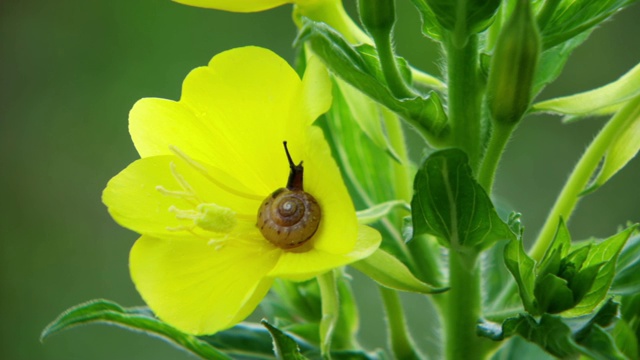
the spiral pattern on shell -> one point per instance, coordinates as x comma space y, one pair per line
289, 218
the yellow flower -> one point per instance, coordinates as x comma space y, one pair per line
207, 163
329, 11
253, 5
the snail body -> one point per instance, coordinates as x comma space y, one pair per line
289, 217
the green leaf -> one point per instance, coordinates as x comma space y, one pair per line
284, 346
449, 204
625, 339
377, 212
605, 252
563, 339
627, 281
390, 272
573, 17
346, 331
553, 294
625, 145
522, 267
465, 17
517, 348
552, 61
245, 341
136, 319
430, 25
424, 113
591, 102
364, 165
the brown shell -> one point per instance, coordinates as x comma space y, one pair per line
289, 218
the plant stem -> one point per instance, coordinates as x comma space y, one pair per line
389, 66
330, 311
465, 97
463, 308
401, 344
579, 178
403, 183
499, 138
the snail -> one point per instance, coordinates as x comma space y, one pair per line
289, 217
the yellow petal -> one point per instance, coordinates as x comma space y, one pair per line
235, 5
303, 266
236, 113
196, 288
337, 232
135, 202
316, 90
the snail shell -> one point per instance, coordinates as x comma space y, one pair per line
289, 218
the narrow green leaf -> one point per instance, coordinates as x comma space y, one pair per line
590, 102
522, 267
284, 346
449, 204
107, 312
330, 309
571, 18
625, 145
605, 252
345, 334
367, 114
627, 281
379, 211
362, 177
424, 113
390, 272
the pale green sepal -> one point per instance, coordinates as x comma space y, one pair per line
137, 319
625, 144
522, 267
379, 211
596, 100
390, 272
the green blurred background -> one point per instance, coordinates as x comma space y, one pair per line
70, 70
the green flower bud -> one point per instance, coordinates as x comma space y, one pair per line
513, 66
377, 16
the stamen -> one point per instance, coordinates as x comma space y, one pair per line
218, 243
180, 179
177, 194
205, 173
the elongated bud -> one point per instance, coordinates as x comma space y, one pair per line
377, 16
513, 66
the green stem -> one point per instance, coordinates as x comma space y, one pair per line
390, 67
422, 78
401, 344
330, 311
465, 97
499, 138
579, 178
463, 308
403, 183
